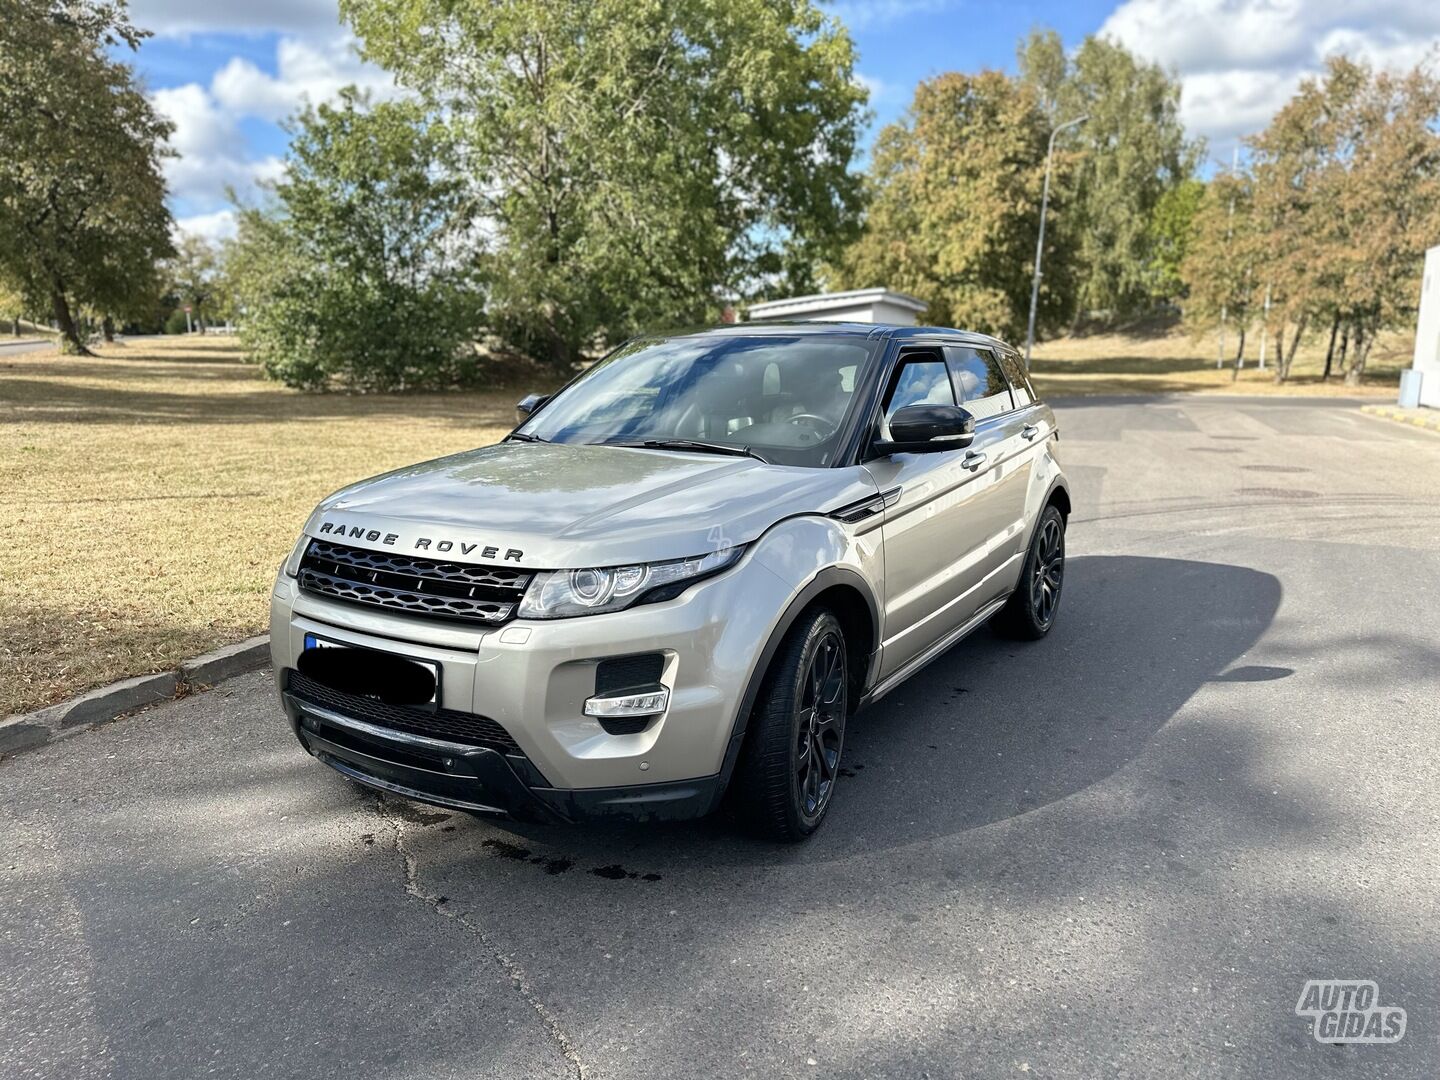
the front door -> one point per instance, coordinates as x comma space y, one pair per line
939, 525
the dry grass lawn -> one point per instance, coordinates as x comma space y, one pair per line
148, 496
1168, 360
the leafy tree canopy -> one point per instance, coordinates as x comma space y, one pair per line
82, 199
355, 277
633, 161
1126, 158
955, 207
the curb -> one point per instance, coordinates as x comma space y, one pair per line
1416, 418
26, 731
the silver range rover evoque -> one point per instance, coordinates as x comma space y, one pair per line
675, 583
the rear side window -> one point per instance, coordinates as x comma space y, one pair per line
979, 381
1020, 384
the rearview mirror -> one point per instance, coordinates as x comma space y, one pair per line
928, 429
527, 405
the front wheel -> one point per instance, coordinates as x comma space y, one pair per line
787, 774
1030, 612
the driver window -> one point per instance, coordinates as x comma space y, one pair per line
921, 381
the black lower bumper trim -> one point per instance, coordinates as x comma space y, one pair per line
481, 780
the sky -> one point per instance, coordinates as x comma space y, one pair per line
228, 72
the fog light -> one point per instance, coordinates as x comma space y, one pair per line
648, 703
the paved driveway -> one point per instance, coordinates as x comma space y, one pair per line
1119, 852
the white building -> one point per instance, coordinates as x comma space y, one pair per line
1427, 332
857, 305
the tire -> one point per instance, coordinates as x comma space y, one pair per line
1031, 610
790, 765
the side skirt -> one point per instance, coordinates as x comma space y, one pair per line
895, 678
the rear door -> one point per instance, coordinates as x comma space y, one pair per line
940, 510
1001, 407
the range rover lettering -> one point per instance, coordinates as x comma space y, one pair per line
676, 581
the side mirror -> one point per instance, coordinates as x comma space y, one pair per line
928, 429
527, 405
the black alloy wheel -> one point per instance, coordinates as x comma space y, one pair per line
1031, 610
820, 725
790, 762
1048, 572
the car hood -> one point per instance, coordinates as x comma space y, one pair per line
558, 506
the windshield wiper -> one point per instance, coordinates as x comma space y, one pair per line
698, 447
524, 436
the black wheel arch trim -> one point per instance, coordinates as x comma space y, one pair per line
827, 578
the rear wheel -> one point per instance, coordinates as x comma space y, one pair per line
1030, 612
787, 774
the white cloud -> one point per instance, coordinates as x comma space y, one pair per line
208, 139
181, 18
305, 73
220, 225
878, 89
1241, 60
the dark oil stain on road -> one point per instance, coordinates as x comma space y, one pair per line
616, 872
507, 850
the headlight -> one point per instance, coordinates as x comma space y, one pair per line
292, 564
561, 593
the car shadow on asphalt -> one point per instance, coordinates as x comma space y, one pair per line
995, 729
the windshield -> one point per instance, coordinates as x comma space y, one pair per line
785, 398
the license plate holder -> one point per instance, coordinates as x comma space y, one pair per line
319, 643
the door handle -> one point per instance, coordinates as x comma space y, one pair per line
1029, 431
974, 460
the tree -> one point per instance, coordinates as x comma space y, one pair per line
82, 211
634, 161
12, 304
1347, 198
955, 207
1217, 271
357, 275
1128, 156
1172, 227
193, 276
1382, 196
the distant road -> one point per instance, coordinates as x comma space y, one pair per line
16, 346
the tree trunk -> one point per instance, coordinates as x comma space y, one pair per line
1362, 353
1283, 357
107, 328
1295, 343
1330, 352
1240, 352
15, 326
70, 342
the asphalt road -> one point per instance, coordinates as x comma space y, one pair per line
16, 346
1119, 852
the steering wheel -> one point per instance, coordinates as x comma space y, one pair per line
814, 420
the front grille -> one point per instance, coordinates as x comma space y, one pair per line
487, 594
449, 724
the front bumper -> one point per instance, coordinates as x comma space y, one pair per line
477, 779
531, 679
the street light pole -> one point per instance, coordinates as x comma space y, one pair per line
1040, 240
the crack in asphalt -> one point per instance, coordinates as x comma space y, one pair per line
441, 906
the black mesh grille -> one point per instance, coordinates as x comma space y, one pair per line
487, 594
460, 727
622, 673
